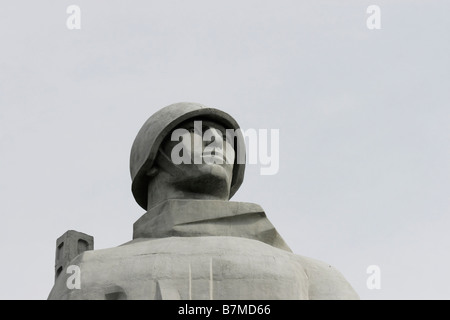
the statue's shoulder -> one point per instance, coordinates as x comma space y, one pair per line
325, 281
83, 278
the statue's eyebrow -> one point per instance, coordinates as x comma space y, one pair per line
188, 124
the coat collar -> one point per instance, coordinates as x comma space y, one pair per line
203, 218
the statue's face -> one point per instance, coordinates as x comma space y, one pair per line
200, 149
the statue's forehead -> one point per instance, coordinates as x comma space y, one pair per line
202, 122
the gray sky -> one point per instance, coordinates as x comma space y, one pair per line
363, 116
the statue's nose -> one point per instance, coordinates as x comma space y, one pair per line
213, 135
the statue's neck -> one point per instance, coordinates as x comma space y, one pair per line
161, 189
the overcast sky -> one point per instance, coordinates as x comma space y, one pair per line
364, 175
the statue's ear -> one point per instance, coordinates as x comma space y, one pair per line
152, 172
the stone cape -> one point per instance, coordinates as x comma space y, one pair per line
202, 249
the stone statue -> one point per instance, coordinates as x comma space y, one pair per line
192, 243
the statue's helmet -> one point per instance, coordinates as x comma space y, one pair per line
149, 138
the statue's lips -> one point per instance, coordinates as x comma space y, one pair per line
216, 157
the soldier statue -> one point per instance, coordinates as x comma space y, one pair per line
192, 242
